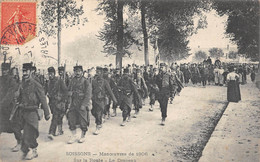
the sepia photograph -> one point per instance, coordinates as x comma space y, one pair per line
130, 80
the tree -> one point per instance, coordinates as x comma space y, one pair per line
175, 23
232, 54
116, 33
52, 14
216, 52
200, 55
242, 24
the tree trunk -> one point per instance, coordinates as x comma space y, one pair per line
59, 32
145, 35
120, 34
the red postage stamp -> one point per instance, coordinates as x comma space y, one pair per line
18, 22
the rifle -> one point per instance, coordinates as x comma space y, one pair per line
14, 109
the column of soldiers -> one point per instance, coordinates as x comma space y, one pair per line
24, 103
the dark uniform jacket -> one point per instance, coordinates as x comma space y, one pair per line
8, 86
31, 94
127, 89
79, 96
57, 93
101, 91
166, 83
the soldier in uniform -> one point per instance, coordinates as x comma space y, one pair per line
79, 104
166, 86
57, 93
64, 76
127, 90
115, 79
101, 91
153, 88
8, 86
142, 90
30, 95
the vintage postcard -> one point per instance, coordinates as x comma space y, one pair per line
129, 80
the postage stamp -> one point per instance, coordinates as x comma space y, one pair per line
18, 22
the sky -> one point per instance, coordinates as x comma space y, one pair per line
79, 42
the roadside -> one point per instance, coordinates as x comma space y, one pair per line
237, 135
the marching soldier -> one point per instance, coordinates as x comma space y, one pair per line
101, 91
153, 88
142, 90
57, 93
8, 86
64, 76
31, 94
166, 86
107, 77
79, 104
115, 79
127, 90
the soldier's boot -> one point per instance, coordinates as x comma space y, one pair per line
114, 113
151, 108
108, 115
123, 123
50, 136
98, 127
129, 118
136, 114
163, 122
31, 154
60, 131
82, 138
35, 154
73, 138
17, 147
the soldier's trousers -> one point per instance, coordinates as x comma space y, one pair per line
56, 120
17, 126
97, 112
107, 107
126, 110
152, 98
30, 132
163, 101
74, 118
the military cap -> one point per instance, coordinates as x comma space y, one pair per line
105, 69
78, 67
51, 69
6, 66
110, 65
155, 69
128, 65
27, 66
162, 64
61, 68
126, 70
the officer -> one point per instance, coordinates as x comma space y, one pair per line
8, 86
79, 104
30, 95
101, 91
57, 93
127, 89
166, 86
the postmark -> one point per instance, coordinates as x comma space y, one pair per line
18, 22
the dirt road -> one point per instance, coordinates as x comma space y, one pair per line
191, 119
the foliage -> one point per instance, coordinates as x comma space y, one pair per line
200, 55
216, 52
109, 32
232, 54
69, 11
242, 24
